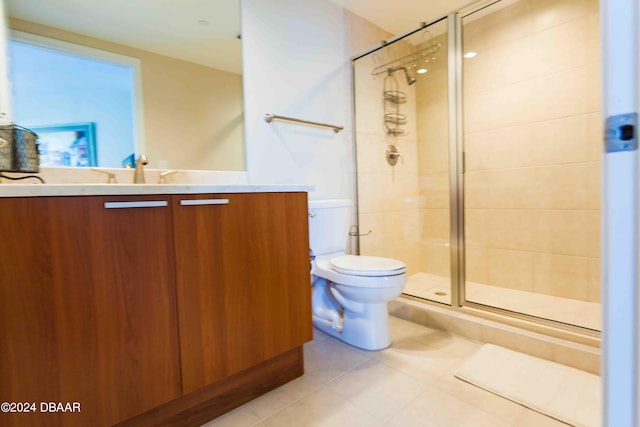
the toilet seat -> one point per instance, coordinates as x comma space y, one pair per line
368, 266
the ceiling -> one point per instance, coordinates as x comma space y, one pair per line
175, 27
398, 17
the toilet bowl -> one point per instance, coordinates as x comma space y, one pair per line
350, 292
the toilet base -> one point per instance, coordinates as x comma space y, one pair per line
367, 329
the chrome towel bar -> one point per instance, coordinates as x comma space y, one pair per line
269, 117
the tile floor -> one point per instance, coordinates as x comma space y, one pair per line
409, 384
566, 310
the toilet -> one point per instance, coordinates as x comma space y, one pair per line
349, 292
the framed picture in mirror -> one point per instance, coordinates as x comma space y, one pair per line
67, 144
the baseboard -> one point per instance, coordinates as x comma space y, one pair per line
201, 406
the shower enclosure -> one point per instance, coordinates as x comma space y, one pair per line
478, 159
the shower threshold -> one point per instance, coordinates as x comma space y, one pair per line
565, 310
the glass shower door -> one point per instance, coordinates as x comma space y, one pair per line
532, 159
402, 143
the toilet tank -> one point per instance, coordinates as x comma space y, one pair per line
329, 222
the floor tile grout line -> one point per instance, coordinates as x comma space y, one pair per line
323, 385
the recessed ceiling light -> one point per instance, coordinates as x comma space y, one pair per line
203, 22
470, 54
421, 70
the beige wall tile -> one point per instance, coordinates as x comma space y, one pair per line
401, 226
594, 294
433, 120
593, 22
433, 155
562, 276
561, 94
435, 259
595, 131
512, 229
476, 222
371, 195
474, 33
431, 87
434, 191
507, 105
510, 269
593, 232
500, 65
499, 26
548, 187
370, 153
502, 228
409, 253
593, 6
368, 101
549, 13
562, 140
562, 46
594, 185
435, 225
507, 147
594, 88
361, 34
500, 189
400, 192
408, 163
476, 261
561, 187
562, 232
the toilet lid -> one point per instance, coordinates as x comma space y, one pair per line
367, 265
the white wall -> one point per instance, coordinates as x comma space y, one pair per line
294, 65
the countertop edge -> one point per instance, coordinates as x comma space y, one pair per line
53, 190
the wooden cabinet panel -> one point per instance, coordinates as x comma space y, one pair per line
200, 277
242, 280
87, 308
269, 302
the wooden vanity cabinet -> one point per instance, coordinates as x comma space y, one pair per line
242, 277
87, 308
167, 314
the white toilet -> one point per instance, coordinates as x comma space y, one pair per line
350, 293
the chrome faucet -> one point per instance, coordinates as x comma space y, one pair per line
138, 174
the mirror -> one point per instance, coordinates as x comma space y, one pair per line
184, 67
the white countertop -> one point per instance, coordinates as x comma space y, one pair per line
42, 190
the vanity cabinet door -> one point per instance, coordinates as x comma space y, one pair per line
87, 308
243, 282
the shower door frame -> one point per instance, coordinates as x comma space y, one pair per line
457, 190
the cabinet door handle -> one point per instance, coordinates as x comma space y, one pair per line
123, 205
197, 202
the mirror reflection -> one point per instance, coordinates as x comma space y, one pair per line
102, 82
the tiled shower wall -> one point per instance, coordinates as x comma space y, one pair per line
532, 141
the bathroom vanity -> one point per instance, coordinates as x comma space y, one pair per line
165, 308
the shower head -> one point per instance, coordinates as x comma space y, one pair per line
410, 79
